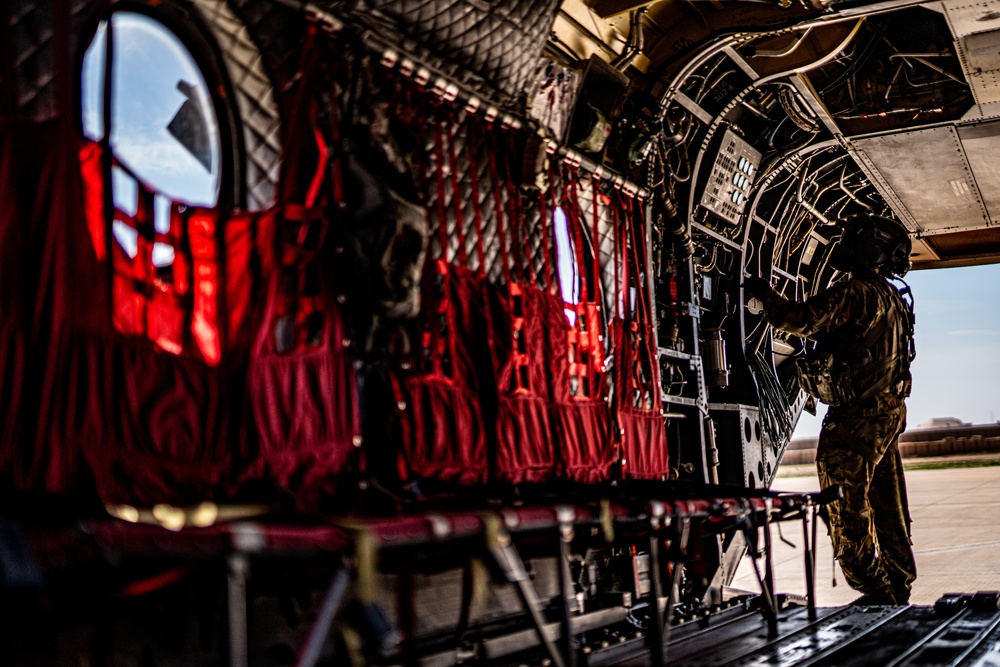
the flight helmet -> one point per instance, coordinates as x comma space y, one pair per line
871, 243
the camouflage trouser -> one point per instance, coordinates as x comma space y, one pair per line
870, 526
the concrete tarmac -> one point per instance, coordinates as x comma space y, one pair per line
956, 538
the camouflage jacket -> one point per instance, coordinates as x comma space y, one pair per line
864, 323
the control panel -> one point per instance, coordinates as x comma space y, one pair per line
728, 188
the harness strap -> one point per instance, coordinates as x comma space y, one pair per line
641, 377
595, 238
520, 380
641, 256
472, 144
521, 237
298, 116
438, 338
456, 195
571, 199
498, 211
548, 211
441, 192
477, 213
622, 245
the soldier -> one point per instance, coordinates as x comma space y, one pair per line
863, 330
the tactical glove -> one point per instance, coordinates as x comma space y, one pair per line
756, 287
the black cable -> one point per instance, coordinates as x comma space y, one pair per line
775, 411
861, 61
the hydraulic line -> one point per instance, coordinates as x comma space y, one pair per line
633, 45
850, 194
857, 64
775, 411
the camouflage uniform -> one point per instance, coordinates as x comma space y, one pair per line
862, 322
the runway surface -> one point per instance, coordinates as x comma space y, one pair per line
956, 538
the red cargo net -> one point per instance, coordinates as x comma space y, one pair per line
184, 379
177, 304
638, 399
501, 386
580, 392
301, 382
521, 320
437, 388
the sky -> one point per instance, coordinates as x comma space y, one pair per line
957, 369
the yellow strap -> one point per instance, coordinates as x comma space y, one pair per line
607, 523
480, 579
366, 554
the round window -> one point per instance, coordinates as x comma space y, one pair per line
164, 130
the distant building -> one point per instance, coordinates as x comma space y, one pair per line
940, 436
942, 422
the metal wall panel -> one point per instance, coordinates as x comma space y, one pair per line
967, 18
982, 150
976, 27
929, 173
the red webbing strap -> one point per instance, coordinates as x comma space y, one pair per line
638, 330
203, 230
177, 238
456, 195
543, 214
621, 304
593, 307
336, 165
130, 282
575, 336
472, 143
136, 272
439, 199
520, 379
653, 384
595, 238
436, 337
520, 239
302, 239
621, 307
498, 209
638, 258
585, 344
322, 159
632, 331
571, 201
303, 224
551, 279
626, 237
298, 116
618, 296
142, 263
91, 168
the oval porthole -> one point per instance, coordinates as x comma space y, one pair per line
164, 130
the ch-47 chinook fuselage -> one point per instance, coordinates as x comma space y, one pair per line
415, 330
